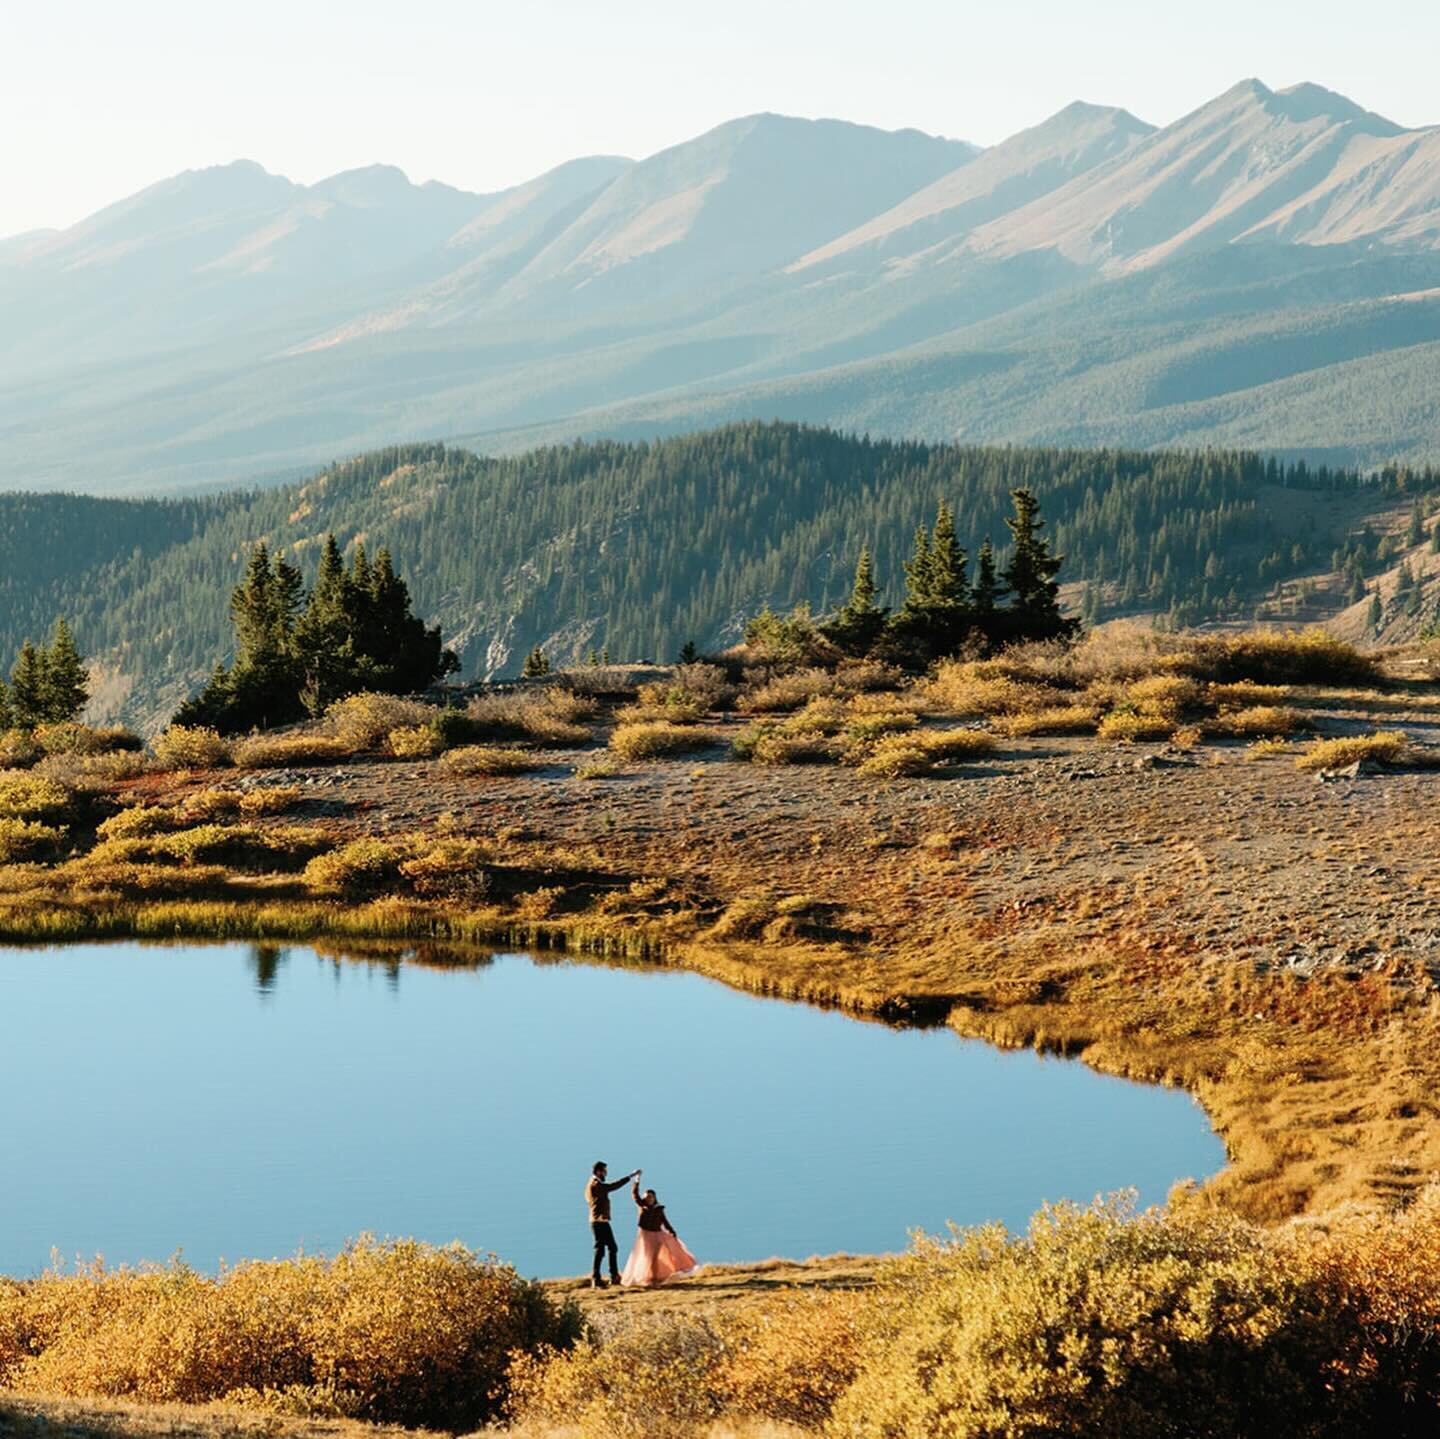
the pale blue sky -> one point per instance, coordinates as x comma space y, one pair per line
99, 98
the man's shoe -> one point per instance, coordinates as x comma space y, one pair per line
615, 1282
598, 1284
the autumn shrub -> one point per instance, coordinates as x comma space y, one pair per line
655, 739
232, 846
951, 744
399, 1332
281, 751
867, 729
414, 742
18, 749
192, 747
475, 760
1276, 657
71, 737
1059, 720
789, 691
27, 840
644, 1381
137, 822
25, 795
363, 721
92, 773
448, 868
970, 690
361, 867
546, 715
1127, 725
1260, 720
898, 757
773, 744
1163, 696
1381, 747
1244, 694
1097, 1322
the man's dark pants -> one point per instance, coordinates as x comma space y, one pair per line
604, 1245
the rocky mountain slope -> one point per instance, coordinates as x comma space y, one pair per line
1264, 271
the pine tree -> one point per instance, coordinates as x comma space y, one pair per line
1415, 531
1375, 613
949, 580
858, 623
988, 589
27, 687
688, 653
1435, 538
537, 663
67, 681
917, 576
1030, 574
7, 715
324, 639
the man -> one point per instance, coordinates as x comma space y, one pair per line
597, 1197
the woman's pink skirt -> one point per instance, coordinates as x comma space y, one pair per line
656, 1257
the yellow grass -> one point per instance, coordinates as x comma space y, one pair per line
655, 739
282, 751
478, 760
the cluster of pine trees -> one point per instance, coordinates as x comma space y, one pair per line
943, 609
296, 653
49, 684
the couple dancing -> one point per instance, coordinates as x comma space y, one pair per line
657, 1255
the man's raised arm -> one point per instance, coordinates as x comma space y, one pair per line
620, 1183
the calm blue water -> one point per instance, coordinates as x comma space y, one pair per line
230, 1104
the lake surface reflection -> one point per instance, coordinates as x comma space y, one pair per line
235, 1102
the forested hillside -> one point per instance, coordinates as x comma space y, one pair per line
638, 548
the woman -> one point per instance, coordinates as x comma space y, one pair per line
658, 1254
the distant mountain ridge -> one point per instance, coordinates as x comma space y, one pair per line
1093, 279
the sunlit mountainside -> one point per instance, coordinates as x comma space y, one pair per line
1263, 272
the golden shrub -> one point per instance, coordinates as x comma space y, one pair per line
479, 759
1301, 657
1260, 720
1164, 696
23, 840
269, 799
362, 721
1097, 1322
1126, 725
71, 737
18, 749
970, 690
364, 866
1061, 720
655, 739
945, 745
399, 1332
1244, 694
24, 795
136, 822
281, 751
1381, 747
413, 742
192, 747
549, 715
898, 757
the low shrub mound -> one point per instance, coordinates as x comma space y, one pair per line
364, 721
1382, 747
282, 751
549, 715
657, 738
192, 747
473, 761
399, 1332
28, 796
1275, 657
70, 737
24, 841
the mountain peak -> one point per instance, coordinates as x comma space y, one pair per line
365, 186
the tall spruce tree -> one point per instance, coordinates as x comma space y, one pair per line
949, 577
917, 576
1030, 574
67, 681
858, 623
27, 687
988, 588
7, 715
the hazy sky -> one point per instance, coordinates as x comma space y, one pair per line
99, 98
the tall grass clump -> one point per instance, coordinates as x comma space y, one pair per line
399, 1332
281, 751
477, 760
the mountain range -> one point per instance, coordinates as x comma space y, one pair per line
1263, 272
